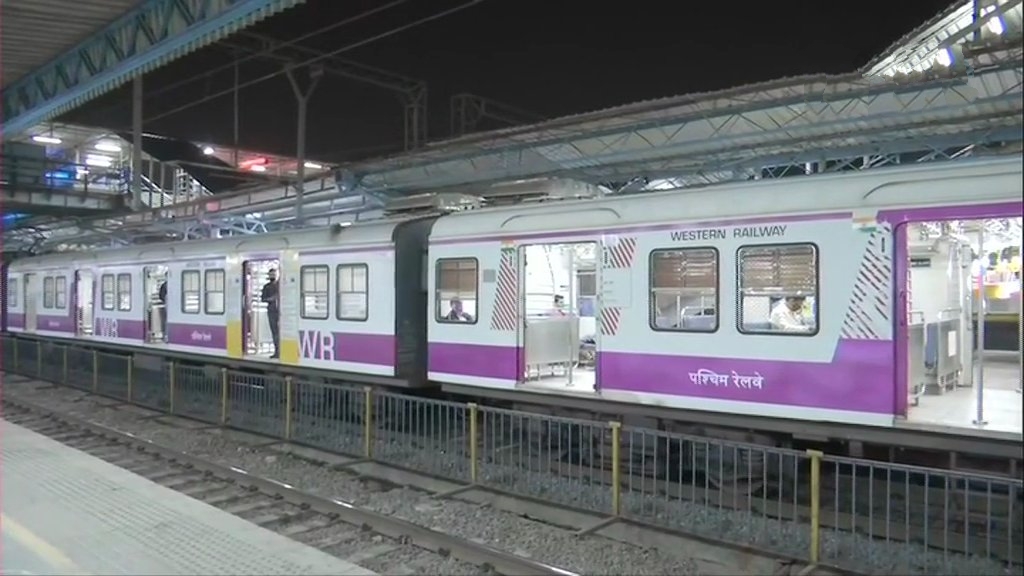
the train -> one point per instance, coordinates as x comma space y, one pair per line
758, 301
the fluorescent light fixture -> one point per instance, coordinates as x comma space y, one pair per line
108, 147
208, 150
46, 139
313, 165
995, 23
99, 161
258, 168
944, 57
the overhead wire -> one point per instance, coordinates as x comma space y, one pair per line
315, 59
262, 53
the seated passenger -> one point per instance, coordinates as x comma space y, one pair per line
559, 306
456, 314
788, 315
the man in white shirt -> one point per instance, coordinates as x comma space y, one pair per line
788, 315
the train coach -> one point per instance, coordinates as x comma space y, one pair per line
783, 300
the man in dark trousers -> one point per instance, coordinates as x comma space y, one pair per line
272, 296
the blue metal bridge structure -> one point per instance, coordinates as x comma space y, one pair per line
950, 89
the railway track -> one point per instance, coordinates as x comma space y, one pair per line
335, 527
341, 529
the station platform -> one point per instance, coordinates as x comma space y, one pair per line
66, 512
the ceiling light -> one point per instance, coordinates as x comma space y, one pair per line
99, 161
995, 23
313, 166
258, 168
47, 139
208, 150
944, 57
108, 147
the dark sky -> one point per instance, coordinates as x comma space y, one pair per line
549, 57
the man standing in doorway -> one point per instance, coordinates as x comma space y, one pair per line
272, 296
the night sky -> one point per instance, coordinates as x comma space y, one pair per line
551, 58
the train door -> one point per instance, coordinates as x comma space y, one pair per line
154, 295
260, 320
84, 302
958, 332
558, 320
31, 300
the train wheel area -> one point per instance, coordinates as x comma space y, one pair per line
963, 301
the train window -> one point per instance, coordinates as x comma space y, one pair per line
60, 296
48, 292
214, 295
12, 293
457, 288
353, 292
191, 291
124, 292
684, 290
778, 289
107, 297
315, 292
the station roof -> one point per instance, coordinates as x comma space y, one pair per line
34, 32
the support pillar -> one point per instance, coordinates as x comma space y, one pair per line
234, 153
136, 189
302, 97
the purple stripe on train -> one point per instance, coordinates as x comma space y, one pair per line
859, 377
55, 323
198, 335
376, 349
122, 328
15, 320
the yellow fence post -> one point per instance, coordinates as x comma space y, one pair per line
170, 388
39, 358
64, 367
616, 467
473, 439
223, 396
368, 422
816, 456
129, 377
95, 372
287, 407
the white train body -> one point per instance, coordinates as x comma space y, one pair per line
849, 365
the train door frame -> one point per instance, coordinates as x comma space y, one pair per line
30, 301
151, 303
250, 299
84, 281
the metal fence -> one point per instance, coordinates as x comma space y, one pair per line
868, 516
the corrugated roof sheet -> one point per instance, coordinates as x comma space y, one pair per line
33, 32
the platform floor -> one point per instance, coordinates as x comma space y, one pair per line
1002, 408
66, 512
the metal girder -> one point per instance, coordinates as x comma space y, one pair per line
468, 110
147, 37
412, 92
694, 133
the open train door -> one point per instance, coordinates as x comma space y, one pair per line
84, 297
31, 299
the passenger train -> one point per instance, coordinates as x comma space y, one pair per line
675, 300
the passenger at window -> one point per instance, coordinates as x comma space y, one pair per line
271, 295
788, 315
558, 309
456, 314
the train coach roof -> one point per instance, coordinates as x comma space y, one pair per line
819, 193
376, 232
